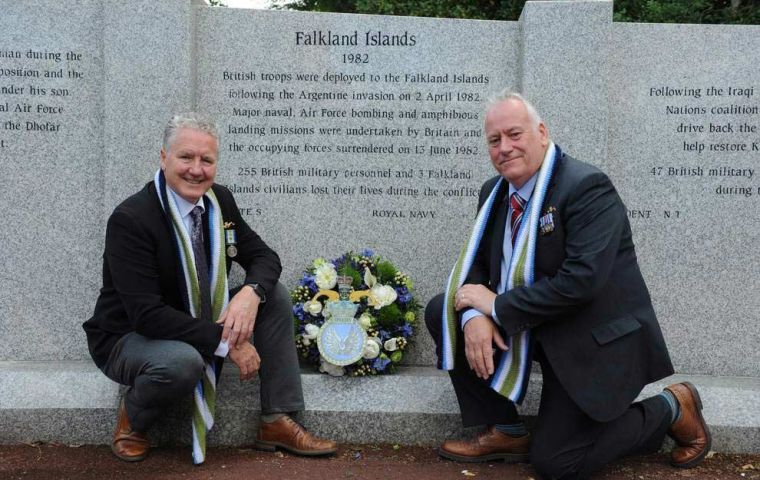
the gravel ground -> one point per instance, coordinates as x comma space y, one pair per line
54, 462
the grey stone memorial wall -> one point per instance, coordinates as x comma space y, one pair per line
358, 132
51, 81
82, 98
349, 131
684, 151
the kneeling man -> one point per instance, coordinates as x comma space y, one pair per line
165, 319
550, 274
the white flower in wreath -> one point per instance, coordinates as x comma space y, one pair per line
391, 345
371, 348
365, 320
330, 369
313, 307
382, 295
325, 276
369, 279
310, 333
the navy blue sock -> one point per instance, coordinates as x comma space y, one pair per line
513, 430
675, 410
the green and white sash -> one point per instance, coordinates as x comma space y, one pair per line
513, 372
204, 395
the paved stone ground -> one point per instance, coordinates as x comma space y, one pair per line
353, 462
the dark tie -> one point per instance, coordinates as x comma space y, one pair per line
518, 206
201, 266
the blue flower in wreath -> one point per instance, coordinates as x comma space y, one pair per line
368, 252
308, 281
380, 363
405, 330
403, 295
340, 261
299, 312
383, 335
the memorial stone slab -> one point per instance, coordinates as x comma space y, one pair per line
564, 71
356, 131
148, 47
84, 94
684, 145
51, 77
349, 131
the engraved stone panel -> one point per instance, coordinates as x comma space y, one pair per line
350, 131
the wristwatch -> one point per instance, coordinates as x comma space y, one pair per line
259, 291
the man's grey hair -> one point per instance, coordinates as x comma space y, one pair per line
194, 120
508, 94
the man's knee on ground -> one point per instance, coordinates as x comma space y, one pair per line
433, 315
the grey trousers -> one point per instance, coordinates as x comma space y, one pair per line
160, 373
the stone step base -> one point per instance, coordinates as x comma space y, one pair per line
74, 403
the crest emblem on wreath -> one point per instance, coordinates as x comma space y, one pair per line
341, 338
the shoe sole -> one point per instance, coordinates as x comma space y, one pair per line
123, 458
698, 459
273, 446
506, 457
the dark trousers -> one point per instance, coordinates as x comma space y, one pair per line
160, 373
478, 403
566, 442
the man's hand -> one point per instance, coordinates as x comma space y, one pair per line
480, 333
475, 296
247, 359
239, 317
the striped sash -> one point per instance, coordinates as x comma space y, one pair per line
204, 395
513, 366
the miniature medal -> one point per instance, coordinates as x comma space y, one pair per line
230, 237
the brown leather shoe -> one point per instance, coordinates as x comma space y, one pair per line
487, 446
127, 444
690, 430
289, 435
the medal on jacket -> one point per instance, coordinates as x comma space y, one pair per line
230, 238
546, 222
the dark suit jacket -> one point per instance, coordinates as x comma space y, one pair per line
588, 306
141, 276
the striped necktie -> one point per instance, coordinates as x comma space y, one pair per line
518, 206
201, 265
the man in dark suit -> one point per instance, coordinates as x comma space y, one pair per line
555, 269
164, 320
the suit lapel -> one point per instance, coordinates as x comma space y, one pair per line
552, 182
206, 230
553, 179
500, 221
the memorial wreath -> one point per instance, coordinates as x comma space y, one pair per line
354, 315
